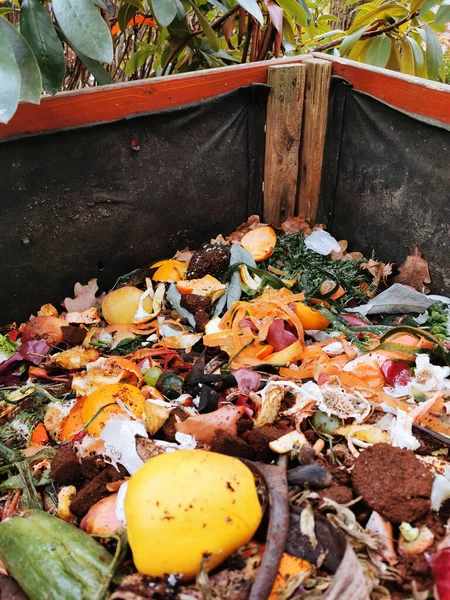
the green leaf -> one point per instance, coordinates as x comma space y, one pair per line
350, 3
227, 56
305, 7
207, 29
379, 51
37, 28
329, 34
100, 74
30, 75
407, 61
426, 6
5, 11
164, 11
137, 3
181, 13
125, 14
434, 53
218, 5
351, 40
9, 79
137, 60
84, 27
328, 18
359, 50
293, 9
388, 11
417, 51
416, 5
252, 7
443, 13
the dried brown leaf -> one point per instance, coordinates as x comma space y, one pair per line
349, 582
296, 224
340, 255
414, 272
372, 266
252, 222
147, 448
353, 256
84, 297
184, 255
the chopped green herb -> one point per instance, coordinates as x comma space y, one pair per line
312, 269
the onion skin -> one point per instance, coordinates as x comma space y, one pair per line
101, 518
279, 337
46, 328
440, 565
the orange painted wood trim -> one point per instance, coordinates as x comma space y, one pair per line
405, 92
105, 104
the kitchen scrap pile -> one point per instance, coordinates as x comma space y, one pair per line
265, 417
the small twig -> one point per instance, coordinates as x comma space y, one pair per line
368, 34
217, 23
256, 36
247, 40
267, 40
277, 533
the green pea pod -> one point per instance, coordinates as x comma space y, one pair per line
51, 559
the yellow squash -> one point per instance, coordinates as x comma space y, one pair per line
181, 505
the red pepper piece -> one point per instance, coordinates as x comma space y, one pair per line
396, 372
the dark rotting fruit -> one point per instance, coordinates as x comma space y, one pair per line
170, 385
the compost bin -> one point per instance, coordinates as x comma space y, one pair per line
213, 415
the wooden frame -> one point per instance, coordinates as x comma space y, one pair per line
405, 92
290, 128
110, 103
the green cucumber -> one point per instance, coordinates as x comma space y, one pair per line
53, 560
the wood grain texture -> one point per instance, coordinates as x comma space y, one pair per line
405, 92
283, 133
315, 115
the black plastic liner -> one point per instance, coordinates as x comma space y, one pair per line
385, 183
103, 200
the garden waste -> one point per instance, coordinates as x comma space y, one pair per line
265, 417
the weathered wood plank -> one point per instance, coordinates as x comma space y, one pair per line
315, 112
283, 133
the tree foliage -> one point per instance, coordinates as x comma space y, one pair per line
69, 44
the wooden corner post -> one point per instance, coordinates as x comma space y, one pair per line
283, 132
315, 115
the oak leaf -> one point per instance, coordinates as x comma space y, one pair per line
84, 297
414, 272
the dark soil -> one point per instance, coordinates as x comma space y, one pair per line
260, 438
193, 303
393, 482
212, 259
95, 490
65, 466
231, 445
